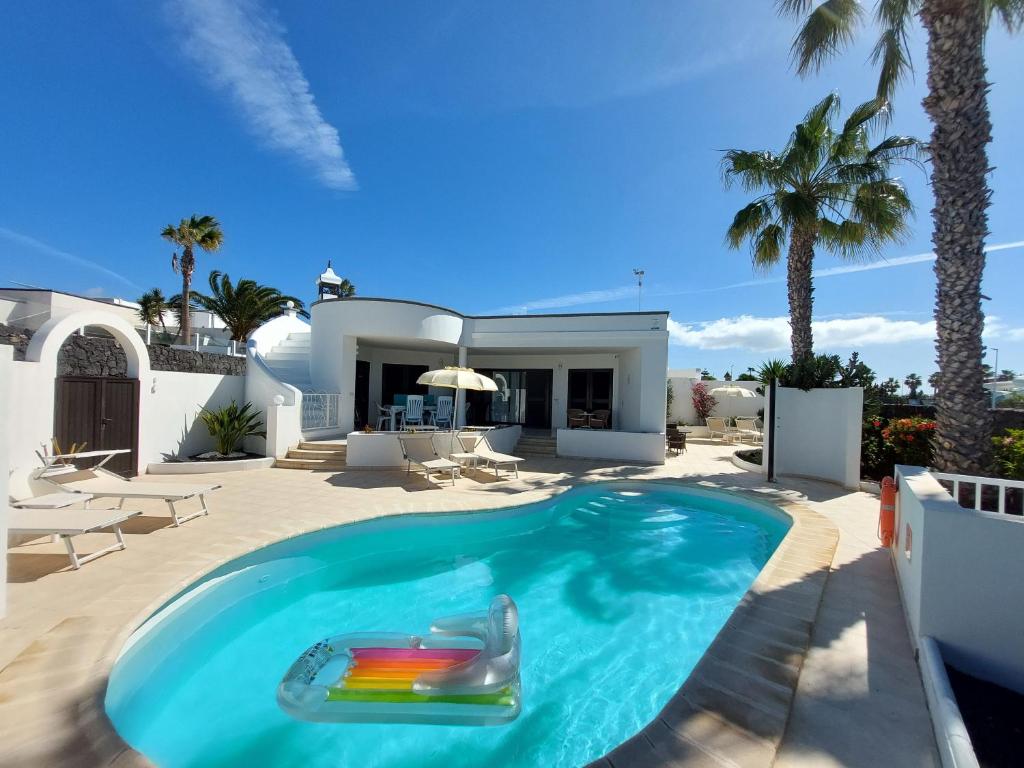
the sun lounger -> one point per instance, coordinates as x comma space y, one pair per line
103, 484
68, 523
480, 447
421, 452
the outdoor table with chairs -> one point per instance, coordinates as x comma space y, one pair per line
415, 411
580, 419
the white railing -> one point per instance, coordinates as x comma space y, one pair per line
319, 410
978, 483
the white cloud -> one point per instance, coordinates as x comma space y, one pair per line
48, 250
769, 334
568, 300
241, 46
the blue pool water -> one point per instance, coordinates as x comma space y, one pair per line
620, 587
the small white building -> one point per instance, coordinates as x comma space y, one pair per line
360, 353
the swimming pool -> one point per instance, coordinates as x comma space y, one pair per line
621, 587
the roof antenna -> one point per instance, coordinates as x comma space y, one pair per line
639, 286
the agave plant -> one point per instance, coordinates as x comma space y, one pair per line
230, 425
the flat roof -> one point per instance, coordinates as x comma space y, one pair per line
489, 317
109, 300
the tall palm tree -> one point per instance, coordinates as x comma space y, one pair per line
201, 232
152, 306
957, 103
245, 305
827, 187
913, 382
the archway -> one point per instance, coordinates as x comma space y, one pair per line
101, 411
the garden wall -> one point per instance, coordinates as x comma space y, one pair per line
818, 433
103, 356
730, 407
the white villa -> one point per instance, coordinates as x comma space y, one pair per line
335, 374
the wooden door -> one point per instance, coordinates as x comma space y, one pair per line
102, 413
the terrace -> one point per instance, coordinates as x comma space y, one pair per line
852, 673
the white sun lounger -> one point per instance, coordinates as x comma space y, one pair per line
421, 452
103, 484
481, 448
68, 523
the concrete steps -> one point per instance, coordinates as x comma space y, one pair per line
325, 456
535, 445
289, 360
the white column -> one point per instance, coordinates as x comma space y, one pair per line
460, 395
6, 355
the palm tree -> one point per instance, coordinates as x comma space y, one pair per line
913, 383
826, 187
243, 306
152, 306
196, 231
957, 103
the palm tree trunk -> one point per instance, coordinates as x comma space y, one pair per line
801, 292
957, 106
188, 264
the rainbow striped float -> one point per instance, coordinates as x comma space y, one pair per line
466, 672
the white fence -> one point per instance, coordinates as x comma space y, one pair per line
319, 410
978, 484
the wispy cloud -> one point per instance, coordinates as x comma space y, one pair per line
604, 295
769, 334
240, 45
48, 250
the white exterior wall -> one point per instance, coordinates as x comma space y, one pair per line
6, 357
963, 582
263, 388
817, 434
646, 447
169, 423
729, 407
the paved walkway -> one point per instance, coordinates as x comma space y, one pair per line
858, 702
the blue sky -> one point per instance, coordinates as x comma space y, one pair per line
491, 157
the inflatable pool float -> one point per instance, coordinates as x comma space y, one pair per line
465, 672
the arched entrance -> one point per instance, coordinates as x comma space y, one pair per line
96, 396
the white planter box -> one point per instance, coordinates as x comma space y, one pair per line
204, 467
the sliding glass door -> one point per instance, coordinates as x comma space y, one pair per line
523, 397
590, 389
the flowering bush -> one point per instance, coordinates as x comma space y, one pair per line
1009, 454
877, 458
703, 401
910, 440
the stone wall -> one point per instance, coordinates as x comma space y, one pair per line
103, 356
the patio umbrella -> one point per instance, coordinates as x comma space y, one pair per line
457, 378
732, 392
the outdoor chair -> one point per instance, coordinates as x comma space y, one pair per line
718, 425
68, 523
443, 415
600, 419
748, 429
413, 413
104, 484
675, 439
479, 446
421, 452
383, 417
577, 419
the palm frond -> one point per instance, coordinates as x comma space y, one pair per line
747, 222
1010, 13
753, 170
767, 245
827, 29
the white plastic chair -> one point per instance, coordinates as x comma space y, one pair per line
413, 413
383, 417
443, 415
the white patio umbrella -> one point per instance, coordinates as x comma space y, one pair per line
457, 378
731, 391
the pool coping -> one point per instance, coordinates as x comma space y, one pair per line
730, 711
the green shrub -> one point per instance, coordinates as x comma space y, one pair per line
877, 458
230, 425
1009, 454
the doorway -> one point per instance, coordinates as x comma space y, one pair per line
102, 413
399, 379
362, 417
590, 389
523, 397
